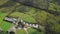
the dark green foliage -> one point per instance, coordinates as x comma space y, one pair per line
4, 32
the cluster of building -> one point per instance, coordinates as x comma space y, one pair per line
13, 20
21, 23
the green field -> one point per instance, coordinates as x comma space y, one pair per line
20, 31
34, 31
4, 25
23, 16
30, 31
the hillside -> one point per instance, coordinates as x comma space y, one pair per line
45, 13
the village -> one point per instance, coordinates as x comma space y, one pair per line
20, 24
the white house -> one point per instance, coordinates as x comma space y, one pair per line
11, 19
24, 23
37, 25
27, 24
21, 20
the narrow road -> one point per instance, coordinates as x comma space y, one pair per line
26, 30
17, 22
13, 27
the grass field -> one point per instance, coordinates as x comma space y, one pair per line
4, 25
34, 31
23, 16
30, 31
20, 31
